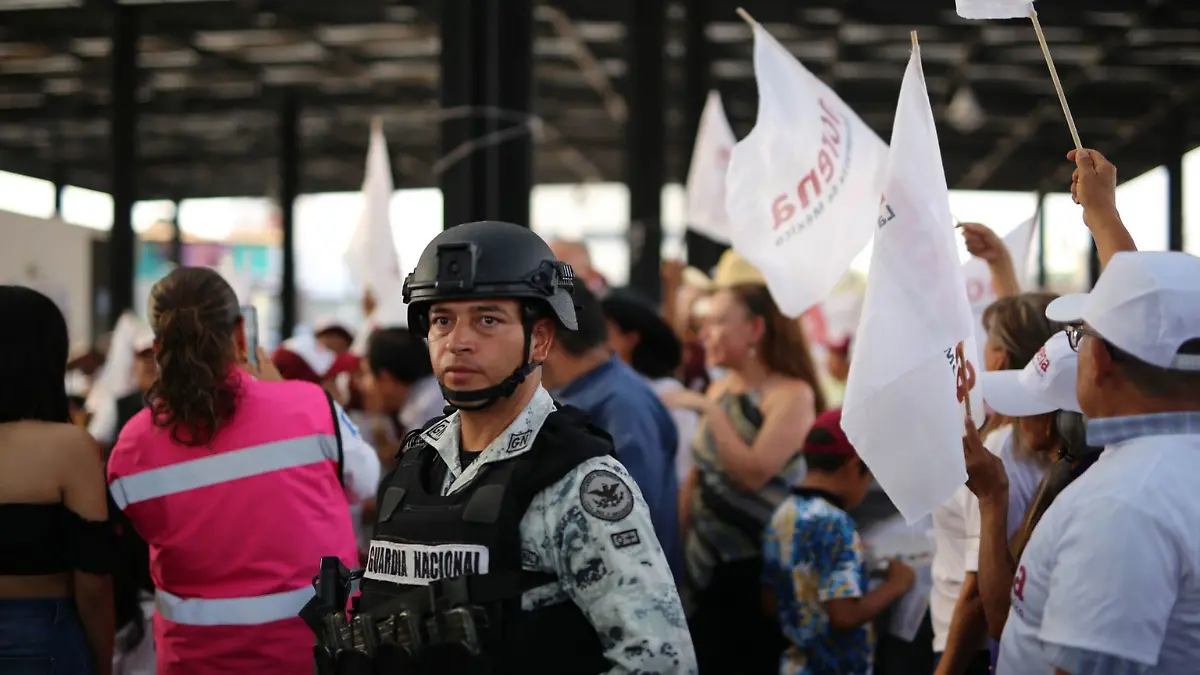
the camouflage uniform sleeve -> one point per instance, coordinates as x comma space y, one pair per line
600, 543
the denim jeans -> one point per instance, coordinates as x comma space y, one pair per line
42, 636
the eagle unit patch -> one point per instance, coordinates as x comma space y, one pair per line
604, 495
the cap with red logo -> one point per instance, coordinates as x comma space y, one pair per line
827, 438
1045, 385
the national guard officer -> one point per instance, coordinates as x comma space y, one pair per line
509, 539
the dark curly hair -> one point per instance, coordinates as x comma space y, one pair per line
195, 314
34, 366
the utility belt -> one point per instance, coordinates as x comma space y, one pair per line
421, 633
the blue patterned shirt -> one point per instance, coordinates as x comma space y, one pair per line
812, 555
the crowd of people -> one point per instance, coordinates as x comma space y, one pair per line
531, 471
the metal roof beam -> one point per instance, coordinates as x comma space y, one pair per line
1049, 110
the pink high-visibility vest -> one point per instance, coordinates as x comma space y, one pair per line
237, 530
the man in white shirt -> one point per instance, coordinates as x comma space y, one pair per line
1110, 579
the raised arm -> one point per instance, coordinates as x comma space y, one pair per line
984, 244
1094, 187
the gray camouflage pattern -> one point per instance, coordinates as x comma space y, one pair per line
627, 592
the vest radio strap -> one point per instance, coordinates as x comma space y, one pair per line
337, 432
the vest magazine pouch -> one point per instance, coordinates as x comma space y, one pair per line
399, 642
457, 630
446, 572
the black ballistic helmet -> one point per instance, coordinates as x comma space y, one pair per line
490, 259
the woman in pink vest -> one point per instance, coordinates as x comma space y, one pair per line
236, 484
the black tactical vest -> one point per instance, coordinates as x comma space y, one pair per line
421, 537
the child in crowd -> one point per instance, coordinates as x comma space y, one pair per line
815, 576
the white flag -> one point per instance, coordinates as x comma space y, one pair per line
803, 186
390, 312
116, 379
993, 9
371, 254
706, 176
980, 290
902, 409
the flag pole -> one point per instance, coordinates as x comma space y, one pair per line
913, 34
746, 16
1062, 97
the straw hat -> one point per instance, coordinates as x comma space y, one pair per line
732, 270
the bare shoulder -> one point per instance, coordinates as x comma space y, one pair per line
61, 450
73, 443
788, 394
53, 435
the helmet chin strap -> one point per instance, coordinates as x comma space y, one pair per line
479, 399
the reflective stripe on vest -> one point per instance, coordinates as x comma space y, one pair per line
252, 611
222, 468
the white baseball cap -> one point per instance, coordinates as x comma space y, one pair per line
1045, 385
1146, 304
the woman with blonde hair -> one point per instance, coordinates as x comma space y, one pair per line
747, 457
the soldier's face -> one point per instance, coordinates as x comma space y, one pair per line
475, 344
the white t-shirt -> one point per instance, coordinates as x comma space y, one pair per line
1025, 475
360, 472
103, 425
950, 545
686, 423
1114, 565
360, 462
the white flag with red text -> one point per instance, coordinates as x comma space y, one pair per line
993, 9
911, 374
802, 190
706, 176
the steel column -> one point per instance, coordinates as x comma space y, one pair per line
702, 252
1177, 142
645, 152
123, 123
487, 95
289, 188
